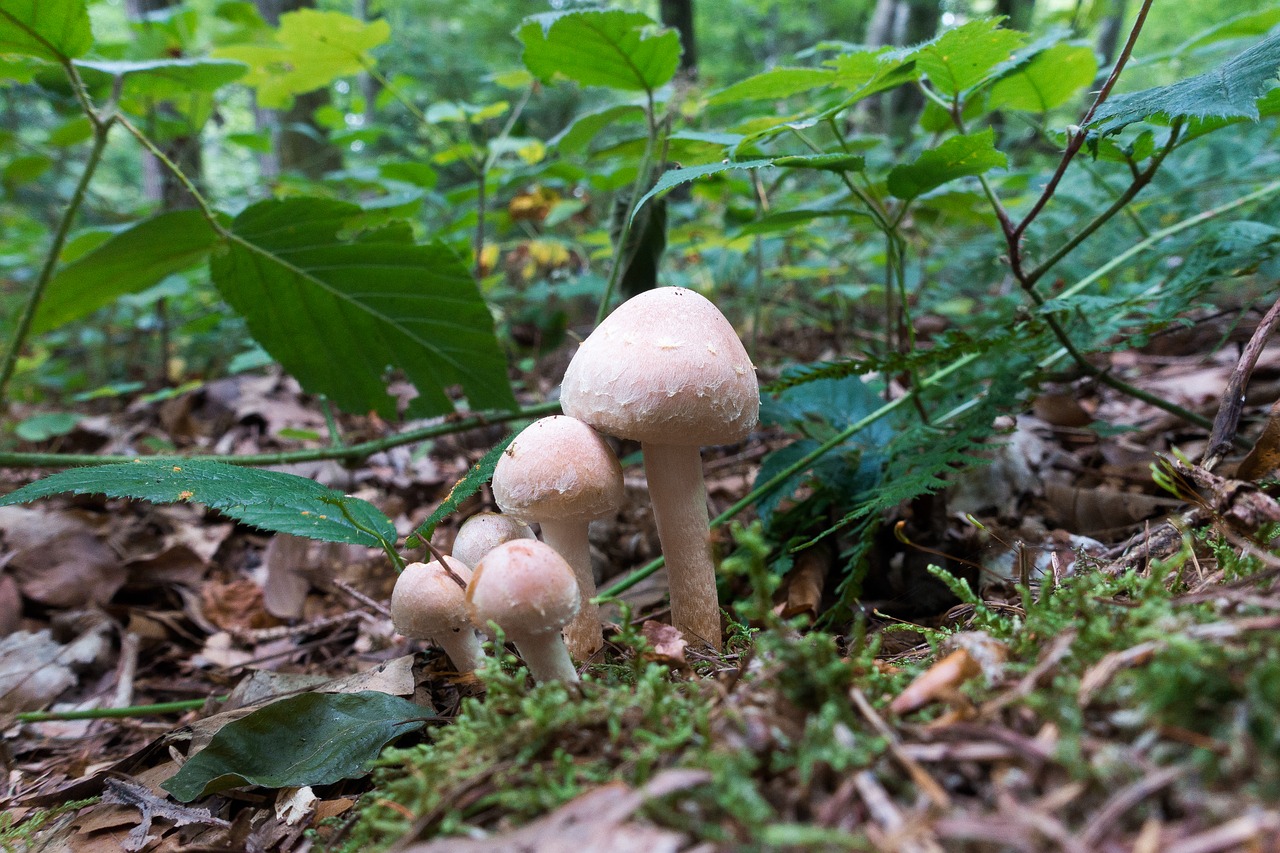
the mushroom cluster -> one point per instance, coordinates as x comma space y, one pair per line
665, 369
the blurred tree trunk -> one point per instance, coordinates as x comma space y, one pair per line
369, 87
678, 14
1018, 13
158, 183
1109, 31
899, 22
299, 144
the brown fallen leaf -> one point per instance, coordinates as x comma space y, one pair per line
668, 643
126, 792
978, 654
1264, 459
599, 821
59, 558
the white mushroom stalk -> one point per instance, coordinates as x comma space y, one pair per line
666, 369
529, 591
428, 603
560, 474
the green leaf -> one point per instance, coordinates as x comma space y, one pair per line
962, 57
479, 474
866, 72
826, 162
339, 307
311, 739
675, 177
129, 262
168, 78
1241, 26
268, 500
46, 426
56, 30
1230, 91
311, 50
621, 50
958, 157
575, 138
775, 83
1048, 79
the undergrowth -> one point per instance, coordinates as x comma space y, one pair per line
1153, 676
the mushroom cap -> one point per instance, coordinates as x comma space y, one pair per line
483, 532
558, 469
666, 368
525, 587
427, 603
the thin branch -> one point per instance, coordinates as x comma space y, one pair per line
452, 424
1228, 419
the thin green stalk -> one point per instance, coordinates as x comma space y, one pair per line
117, 713
364, 449
28, 315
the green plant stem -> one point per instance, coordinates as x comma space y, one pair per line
27, 317
206, 209
637, 190
116, 713
799, 466
451, 425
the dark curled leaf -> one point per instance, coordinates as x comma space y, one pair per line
312, 739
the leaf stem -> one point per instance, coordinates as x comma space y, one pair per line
452, 424
116, 713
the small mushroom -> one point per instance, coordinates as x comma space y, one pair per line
483, 532
560, 473
528, 590
667, 369
428, 603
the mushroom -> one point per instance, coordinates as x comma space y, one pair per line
528, 591
667, 369
483, 532
560, 473
429, 603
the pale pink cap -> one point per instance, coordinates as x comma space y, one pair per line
525, 587
666, 368
426, 603
558, 469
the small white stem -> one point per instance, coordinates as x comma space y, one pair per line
546, 656
679, 498
584, 635
462, 647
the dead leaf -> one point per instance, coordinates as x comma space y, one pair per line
235, 606
10, 605
599, 821
668, 643
35, 668
803, 585
125, 792
59, 559
1264, 458
942, 679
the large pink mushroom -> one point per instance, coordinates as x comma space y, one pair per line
667, 369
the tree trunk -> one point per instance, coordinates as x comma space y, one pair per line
158, 183
299, 144
1018, 13
1109, 35
898, 22
678, 14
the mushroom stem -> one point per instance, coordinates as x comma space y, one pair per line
584, 635
463, 648
679, 498
546, 656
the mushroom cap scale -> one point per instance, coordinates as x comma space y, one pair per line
665, 367
426, 602
558, 469
525, 587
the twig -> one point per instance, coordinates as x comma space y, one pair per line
918, 774
1228, 419
452, 424
1124, 799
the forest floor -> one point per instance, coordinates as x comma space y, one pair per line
1104, 675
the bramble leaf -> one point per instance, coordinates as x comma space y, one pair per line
46, 29
957, 157
621, 50
962, 57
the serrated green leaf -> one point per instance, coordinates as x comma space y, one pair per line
621, 50
269, 500
775, 83
311, 50
866, 72
168, 78
962, 57
825, 162
1230, 91
957, 157
55, 30
479, 474
675, 177
339, 311
311, 739
1046, 80
128, 262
